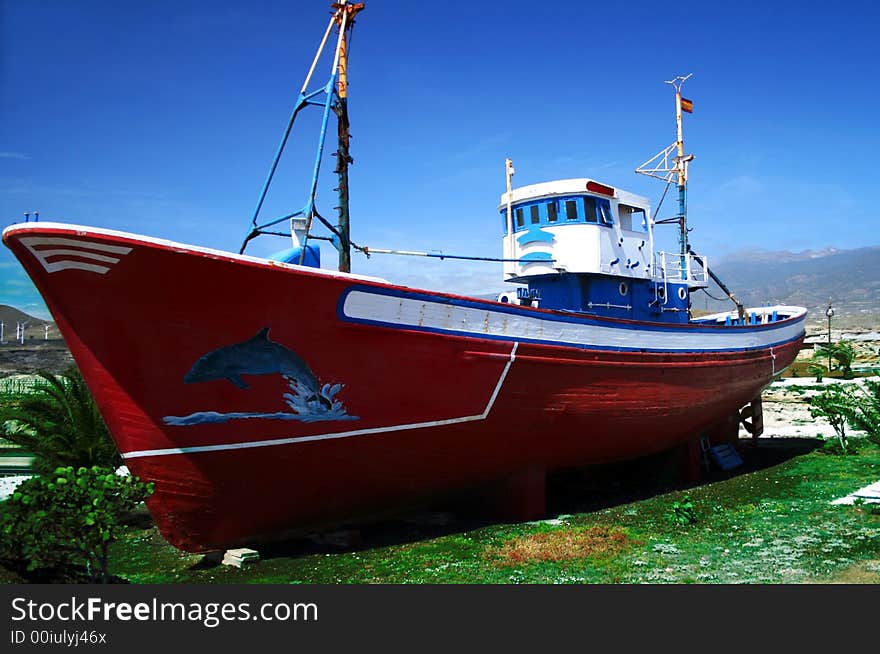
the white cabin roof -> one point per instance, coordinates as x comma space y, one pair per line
569, 187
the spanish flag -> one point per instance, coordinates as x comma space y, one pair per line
687, 105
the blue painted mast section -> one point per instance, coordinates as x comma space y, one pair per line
681, 163
683, 229
309, 209
342, 18
304, 99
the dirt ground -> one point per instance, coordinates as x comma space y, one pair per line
33, 356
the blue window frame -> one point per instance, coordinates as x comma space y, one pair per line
571, 209
535, 214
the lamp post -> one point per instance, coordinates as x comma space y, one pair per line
830, 313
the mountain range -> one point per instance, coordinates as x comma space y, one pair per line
849, 278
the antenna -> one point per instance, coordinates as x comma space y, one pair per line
678, 81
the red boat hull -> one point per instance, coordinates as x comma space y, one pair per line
174, 343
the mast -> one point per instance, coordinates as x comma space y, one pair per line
344, 18
671, 164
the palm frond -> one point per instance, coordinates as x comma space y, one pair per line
58, 422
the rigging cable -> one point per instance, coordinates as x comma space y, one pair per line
719, 299
662, 197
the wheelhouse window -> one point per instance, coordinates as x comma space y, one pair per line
632, 218
625, 213
571, 210
590, 209
604, 207
639, 220
519, 217
552, 212
535, 215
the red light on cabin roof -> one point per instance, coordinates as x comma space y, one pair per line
595, 187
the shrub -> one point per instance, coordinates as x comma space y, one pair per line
858, 406
842, 352
833, 404
864, 410
682, 513
69, 518
817, 370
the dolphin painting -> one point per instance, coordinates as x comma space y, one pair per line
255, 356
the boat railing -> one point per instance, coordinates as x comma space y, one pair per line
675, 268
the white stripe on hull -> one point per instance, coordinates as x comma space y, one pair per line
73, 248
418, 313
340, 434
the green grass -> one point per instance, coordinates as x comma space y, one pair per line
774, 524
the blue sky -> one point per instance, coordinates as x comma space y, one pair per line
161, 118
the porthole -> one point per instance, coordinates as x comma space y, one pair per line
623, 288
661, 293
682, 294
